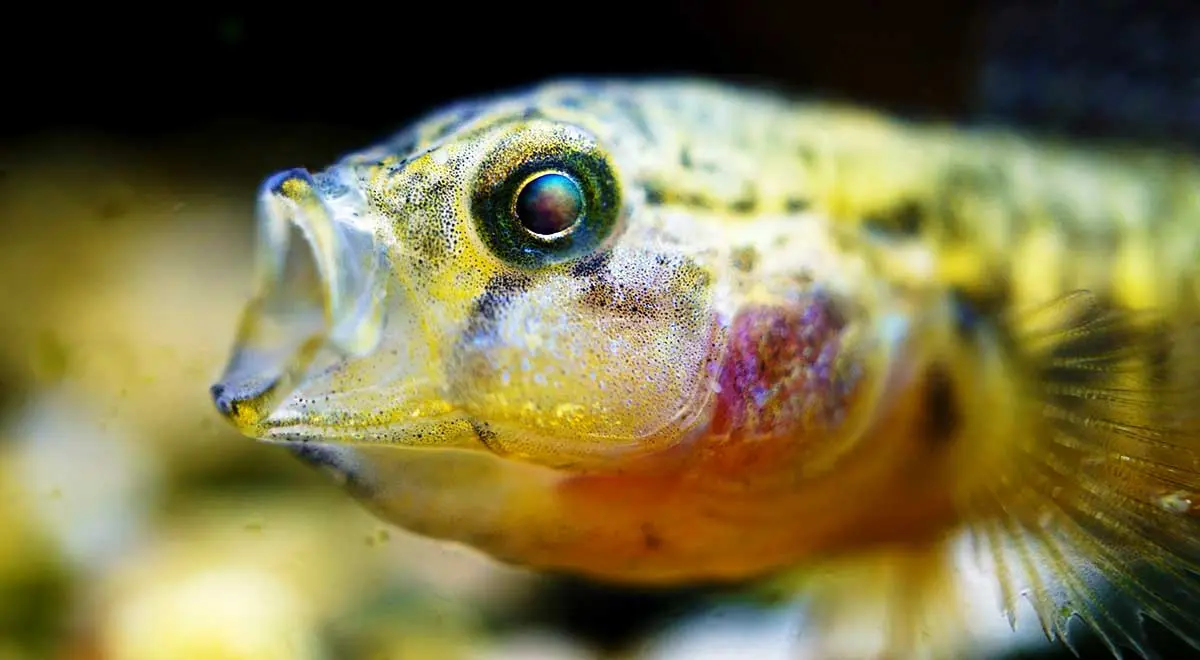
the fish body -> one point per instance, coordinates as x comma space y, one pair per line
672, 331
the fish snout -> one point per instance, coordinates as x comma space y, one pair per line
318, 289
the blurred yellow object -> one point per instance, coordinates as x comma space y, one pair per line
220, 613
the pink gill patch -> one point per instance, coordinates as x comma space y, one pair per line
780, 372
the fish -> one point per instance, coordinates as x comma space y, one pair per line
680, 331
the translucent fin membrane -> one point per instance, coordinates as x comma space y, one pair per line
1097, 517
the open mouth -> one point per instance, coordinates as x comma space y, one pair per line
319, 289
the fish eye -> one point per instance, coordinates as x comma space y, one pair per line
549, 203
545, 195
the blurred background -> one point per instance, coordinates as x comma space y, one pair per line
136, 525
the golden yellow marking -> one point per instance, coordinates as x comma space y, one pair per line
296, 189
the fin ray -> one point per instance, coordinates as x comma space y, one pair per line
1102, 490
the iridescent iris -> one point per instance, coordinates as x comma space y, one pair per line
549, 204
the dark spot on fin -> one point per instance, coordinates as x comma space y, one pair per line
1100, 337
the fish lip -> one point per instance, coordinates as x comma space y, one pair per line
318, 289
226, 399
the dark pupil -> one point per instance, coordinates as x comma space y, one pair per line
549, 204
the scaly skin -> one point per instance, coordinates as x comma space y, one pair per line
782, 332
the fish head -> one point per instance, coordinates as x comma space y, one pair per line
504, 280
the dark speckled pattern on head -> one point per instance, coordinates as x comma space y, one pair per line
756, 153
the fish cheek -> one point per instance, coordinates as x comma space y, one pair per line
554, 375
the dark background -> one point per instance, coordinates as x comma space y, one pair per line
170, 66
1109, 67
301, 73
